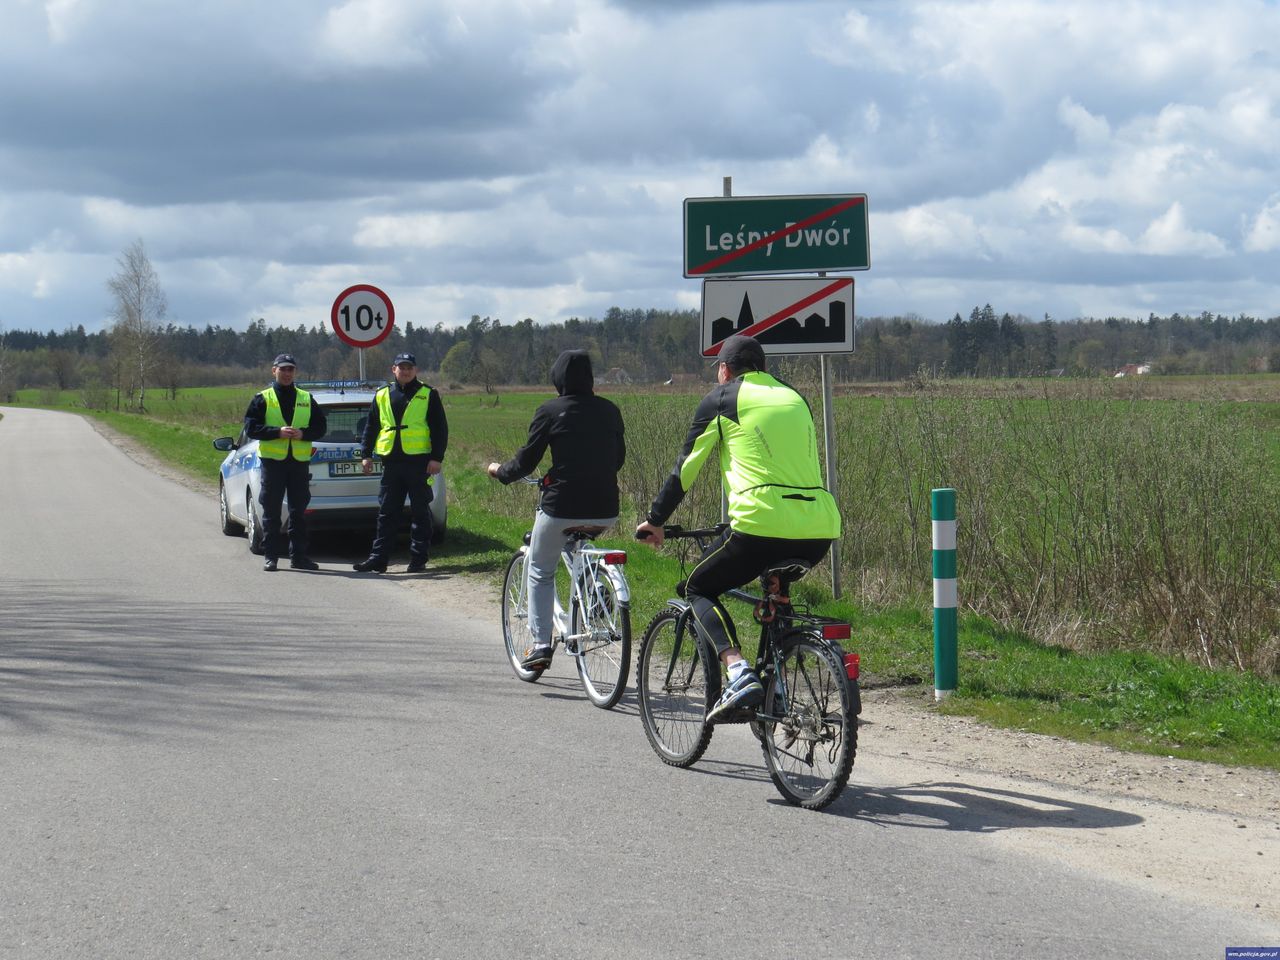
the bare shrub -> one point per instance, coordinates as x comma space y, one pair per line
1101, 521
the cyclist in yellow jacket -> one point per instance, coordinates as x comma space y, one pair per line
408, 431
779, 508
284, 421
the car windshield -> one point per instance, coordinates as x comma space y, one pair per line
345, 424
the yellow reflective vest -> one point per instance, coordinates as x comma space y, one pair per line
280, 449
768, 451
415, 435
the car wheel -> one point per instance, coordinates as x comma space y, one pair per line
253, 526
229, 526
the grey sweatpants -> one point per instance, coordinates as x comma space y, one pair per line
544, 555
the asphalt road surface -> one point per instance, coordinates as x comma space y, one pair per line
198, 759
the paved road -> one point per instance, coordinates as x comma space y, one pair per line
201, 760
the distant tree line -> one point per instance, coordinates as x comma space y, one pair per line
639, 345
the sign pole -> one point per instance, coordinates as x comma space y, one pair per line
361, 355
829, 444
724, 496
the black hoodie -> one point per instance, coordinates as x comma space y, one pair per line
584, 433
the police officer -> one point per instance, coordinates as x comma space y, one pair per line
284, 421
779, 508
407, 429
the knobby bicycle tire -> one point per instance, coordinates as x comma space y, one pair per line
604, 658
810, 750
673, 681
515, 618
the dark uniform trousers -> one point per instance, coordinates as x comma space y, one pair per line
281, 477
400, 479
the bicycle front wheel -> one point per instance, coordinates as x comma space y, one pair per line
672, 679
515, 618
603, 646
810, 737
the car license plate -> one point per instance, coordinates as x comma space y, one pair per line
351, 468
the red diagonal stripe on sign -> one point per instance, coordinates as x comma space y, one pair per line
785, 232
775, 318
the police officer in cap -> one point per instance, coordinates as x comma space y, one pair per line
284, 421
408, 431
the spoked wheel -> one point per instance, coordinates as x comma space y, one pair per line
515, 618
810, 738
604, 656
674, 683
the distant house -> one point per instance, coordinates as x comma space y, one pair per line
616, 375
686, 380
1133, 370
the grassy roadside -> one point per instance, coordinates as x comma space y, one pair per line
1128, 700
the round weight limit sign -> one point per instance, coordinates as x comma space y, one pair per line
362, 316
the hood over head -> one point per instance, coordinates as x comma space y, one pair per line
571, 373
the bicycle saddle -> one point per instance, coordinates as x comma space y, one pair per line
583, 533
788, 571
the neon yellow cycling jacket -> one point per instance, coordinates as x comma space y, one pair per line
768, 461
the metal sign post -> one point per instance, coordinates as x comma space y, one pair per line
787, 315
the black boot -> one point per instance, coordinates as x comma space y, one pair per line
376, 564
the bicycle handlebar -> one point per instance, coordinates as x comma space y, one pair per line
677, 532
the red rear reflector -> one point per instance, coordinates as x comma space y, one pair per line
835, 631
615, 557
851, 666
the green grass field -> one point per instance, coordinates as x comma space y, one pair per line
1130, 698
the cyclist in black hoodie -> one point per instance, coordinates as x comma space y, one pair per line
580, 489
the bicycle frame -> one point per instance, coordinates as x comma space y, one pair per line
587, 564
807, 720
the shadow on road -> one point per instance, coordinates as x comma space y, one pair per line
963, 806
95, 663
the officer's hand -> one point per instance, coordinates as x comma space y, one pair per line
434, 467
492, 470
650, 534
366, 465
290, 433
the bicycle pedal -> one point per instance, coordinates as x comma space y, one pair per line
735, 715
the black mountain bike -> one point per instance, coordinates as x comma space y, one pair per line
807, 724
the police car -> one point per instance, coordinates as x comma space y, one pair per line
342, 496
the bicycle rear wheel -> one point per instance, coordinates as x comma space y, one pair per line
604, 656
672, 679
810, 737
515, 618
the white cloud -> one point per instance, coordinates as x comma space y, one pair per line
1089, 130
1170, 234
63, 17
477, 155
1263, 235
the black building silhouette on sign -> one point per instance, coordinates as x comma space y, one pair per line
815, 328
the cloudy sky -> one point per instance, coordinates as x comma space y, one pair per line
529, 159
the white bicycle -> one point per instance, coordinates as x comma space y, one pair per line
594, 626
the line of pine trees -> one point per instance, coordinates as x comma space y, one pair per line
650, 346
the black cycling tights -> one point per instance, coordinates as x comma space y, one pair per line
731, 561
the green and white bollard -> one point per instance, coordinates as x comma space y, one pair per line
944, 592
